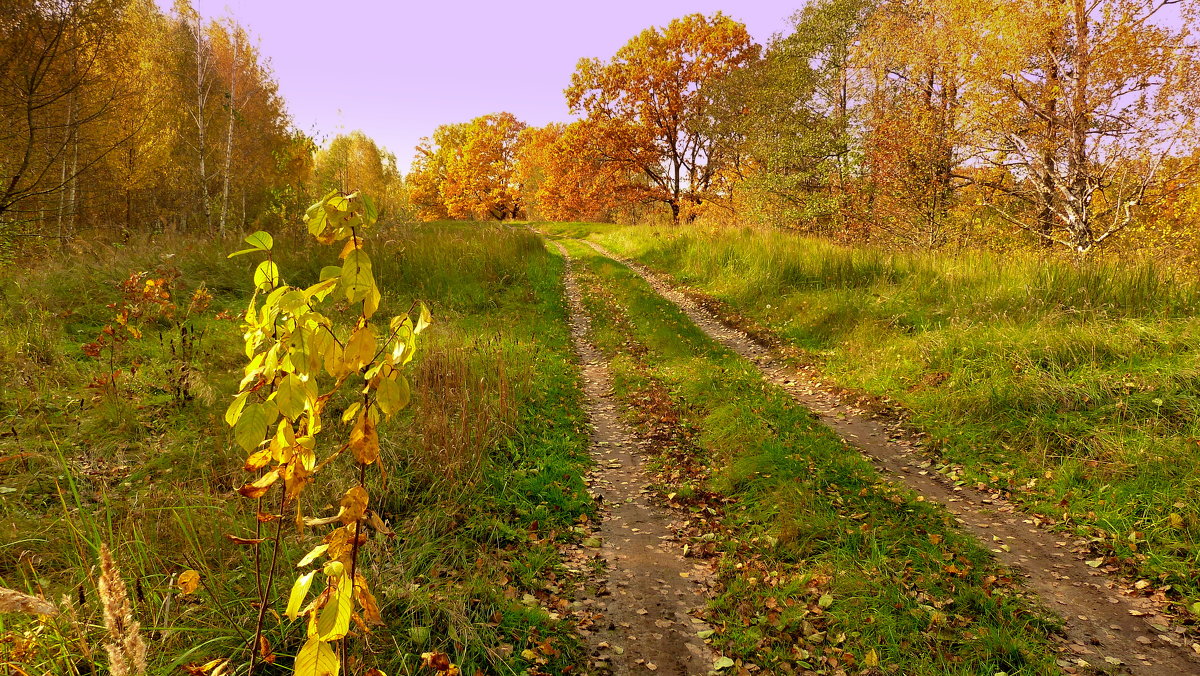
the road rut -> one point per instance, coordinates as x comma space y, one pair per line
640, 616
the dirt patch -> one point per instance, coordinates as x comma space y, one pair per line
639, 613
1107, 630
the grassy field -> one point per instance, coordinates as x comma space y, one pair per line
484, 470
1074, 388
821, 564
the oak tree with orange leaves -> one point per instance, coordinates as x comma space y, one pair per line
563, 180
646, 109
469, 170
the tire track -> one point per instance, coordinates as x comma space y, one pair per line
641, 610
1105, 629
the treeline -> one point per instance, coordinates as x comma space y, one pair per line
921, 123
116, 117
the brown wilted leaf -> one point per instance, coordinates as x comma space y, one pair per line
12, 601
439, 662
264, 649
366, 601
243, 541
377, 523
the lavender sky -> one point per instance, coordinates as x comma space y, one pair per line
398, 69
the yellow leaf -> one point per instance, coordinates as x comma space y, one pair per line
351, 244
299, 592
871, 659
424, 319
258, 460
188, 581
312, 555
360, 349
1176, 520
371, 302
316, 658
321, 289
335, 361
334, 619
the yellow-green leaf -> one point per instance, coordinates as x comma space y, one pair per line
251, 427
312, 555
316, 658
357, 280
393, 394
266, 276
260, 240
291, 396
334, 619
299, 592
235, 409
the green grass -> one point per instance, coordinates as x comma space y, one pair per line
472, 568
1073, 387
821, 563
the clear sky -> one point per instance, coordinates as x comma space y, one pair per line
397, 69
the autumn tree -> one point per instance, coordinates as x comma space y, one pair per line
562, 179
469, 170
53, 94
480, 179
107, 122
354, 162
647, 108
793, 117
919, 60
428, 171
1090, 110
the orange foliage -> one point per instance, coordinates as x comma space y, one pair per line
468, 170
565, 180
646, 108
